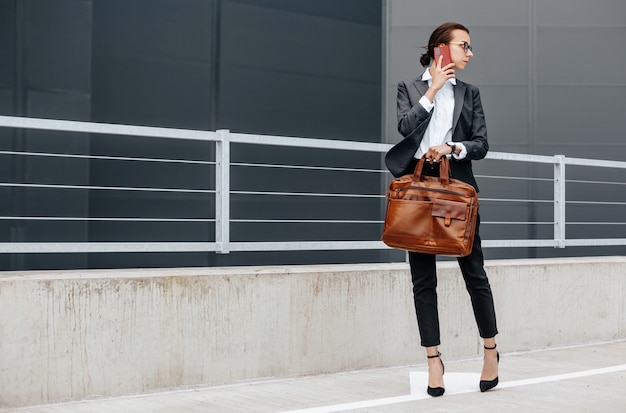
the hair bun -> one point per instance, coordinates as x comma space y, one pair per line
425, 59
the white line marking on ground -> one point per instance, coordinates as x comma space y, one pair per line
559, 377
456, 383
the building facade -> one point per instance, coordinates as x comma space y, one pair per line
547, 70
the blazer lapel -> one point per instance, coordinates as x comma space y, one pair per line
459, 96
421, 86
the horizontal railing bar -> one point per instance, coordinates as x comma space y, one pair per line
306, 221
347, 245
307, 245
505, 156
596, 202
516, 223
580, 181
518, 243
595, 162
595, 242
89, 247
111, 188
93, 247
314, 168
595, 223
113, 219
547, 201
102, 157
309, 142
307, 194
106, 128
519, 178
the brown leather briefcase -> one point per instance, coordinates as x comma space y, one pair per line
433, 215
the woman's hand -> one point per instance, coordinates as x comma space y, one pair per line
435, 153
440, 76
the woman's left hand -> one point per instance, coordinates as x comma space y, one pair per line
435, 153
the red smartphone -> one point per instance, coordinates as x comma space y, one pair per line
443, 50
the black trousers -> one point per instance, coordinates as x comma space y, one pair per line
424, 276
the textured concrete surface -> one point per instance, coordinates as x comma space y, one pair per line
589, 378
71, 335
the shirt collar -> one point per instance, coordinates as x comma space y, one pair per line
427, 76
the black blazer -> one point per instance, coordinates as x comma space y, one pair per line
468, 127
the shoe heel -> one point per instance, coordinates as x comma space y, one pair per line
436, 391
489, 384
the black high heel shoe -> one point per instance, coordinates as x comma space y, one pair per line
490, 384
437, 391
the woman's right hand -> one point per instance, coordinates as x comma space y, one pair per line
440, 75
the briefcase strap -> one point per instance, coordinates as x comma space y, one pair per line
444, 170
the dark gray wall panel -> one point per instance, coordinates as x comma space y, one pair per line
7, 44
279, 40
283, 72
405, 51
71, 104
580, 55
152, 63
6, 101
581, 12
506, 112
153, 92
253, 100
147, 29
472, 13
562, 118
58, 44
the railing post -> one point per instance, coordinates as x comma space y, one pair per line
222, 192
559, 201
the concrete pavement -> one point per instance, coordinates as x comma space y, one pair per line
589, 378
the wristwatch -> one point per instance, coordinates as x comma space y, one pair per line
452, 145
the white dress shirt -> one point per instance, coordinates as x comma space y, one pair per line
439, 130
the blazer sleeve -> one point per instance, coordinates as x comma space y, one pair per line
413, 120
411, 115
477, 145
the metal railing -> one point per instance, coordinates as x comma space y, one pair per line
222, 191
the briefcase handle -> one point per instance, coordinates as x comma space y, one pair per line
444, 170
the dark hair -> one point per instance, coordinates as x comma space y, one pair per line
442, 34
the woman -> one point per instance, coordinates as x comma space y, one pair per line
439, 115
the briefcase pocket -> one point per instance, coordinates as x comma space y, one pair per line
450, 210
406, 218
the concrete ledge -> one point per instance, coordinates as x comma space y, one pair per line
85, 334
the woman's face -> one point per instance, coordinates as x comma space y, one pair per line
459, 57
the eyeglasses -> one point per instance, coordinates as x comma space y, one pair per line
466, 46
